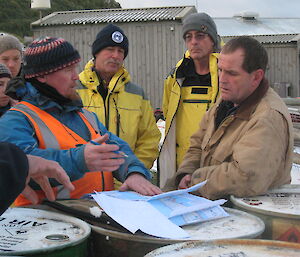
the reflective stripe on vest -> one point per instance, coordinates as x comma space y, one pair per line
91, 118
49, 140
51, 133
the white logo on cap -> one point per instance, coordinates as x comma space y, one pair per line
117, 37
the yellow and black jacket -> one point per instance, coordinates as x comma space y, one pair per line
125, 112
183, 108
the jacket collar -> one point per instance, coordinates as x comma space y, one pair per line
90, 78
32, 95
247, 107
186, 65
186, 69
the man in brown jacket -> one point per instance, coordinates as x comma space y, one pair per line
244, 144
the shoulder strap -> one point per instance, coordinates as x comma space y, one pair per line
46, 138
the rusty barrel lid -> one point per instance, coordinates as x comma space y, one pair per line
238, 224
226, 248
26, 231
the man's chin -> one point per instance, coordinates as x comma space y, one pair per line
114, 68
225, 97
74, 96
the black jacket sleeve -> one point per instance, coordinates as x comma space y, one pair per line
13, 173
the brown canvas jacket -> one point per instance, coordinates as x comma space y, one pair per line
249, 153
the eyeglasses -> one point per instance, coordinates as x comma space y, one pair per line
198, 36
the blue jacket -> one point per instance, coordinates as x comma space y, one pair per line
16, 128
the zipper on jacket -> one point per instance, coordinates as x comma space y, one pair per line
103, 181
118, 119
231, 115
196, 101
107, 109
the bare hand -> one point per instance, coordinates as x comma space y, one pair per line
140, 184
40, 170
101, 157
4, 100
185, 182
12, 102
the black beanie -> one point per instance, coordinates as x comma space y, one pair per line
110, 35
48, 54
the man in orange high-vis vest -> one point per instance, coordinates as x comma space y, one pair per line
50, 122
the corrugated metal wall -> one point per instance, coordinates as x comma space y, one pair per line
154, 49
284, 65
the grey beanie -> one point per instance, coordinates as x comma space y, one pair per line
8, 42
204, 23
4, 71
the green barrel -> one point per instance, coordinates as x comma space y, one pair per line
33, 232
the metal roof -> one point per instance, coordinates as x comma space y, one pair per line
237, 26
246, 24
269, 39
115, 15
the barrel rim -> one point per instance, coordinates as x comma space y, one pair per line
256, 209
54, 215
231, 242
147, 238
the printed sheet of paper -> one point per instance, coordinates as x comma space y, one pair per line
187, 209
135, 215
179, 206
171, 210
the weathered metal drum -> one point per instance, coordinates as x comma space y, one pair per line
112, 242
229, 248
279, 211
32, 232
295, 173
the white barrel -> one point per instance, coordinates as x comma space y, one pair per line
228, 248
25, 231
295, 173
279, 210
111, 242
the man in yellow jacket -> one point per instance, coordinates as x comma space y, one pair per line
189, 90
120, 105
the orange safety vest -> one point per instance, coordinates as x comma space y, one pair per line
52, 133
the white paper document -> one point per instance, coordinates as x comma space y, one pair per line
159, 215
135, 215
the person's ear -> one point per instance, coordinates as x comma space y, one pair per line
41, 79
258, 75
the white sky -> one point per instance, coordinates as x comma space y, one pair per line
226, 8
